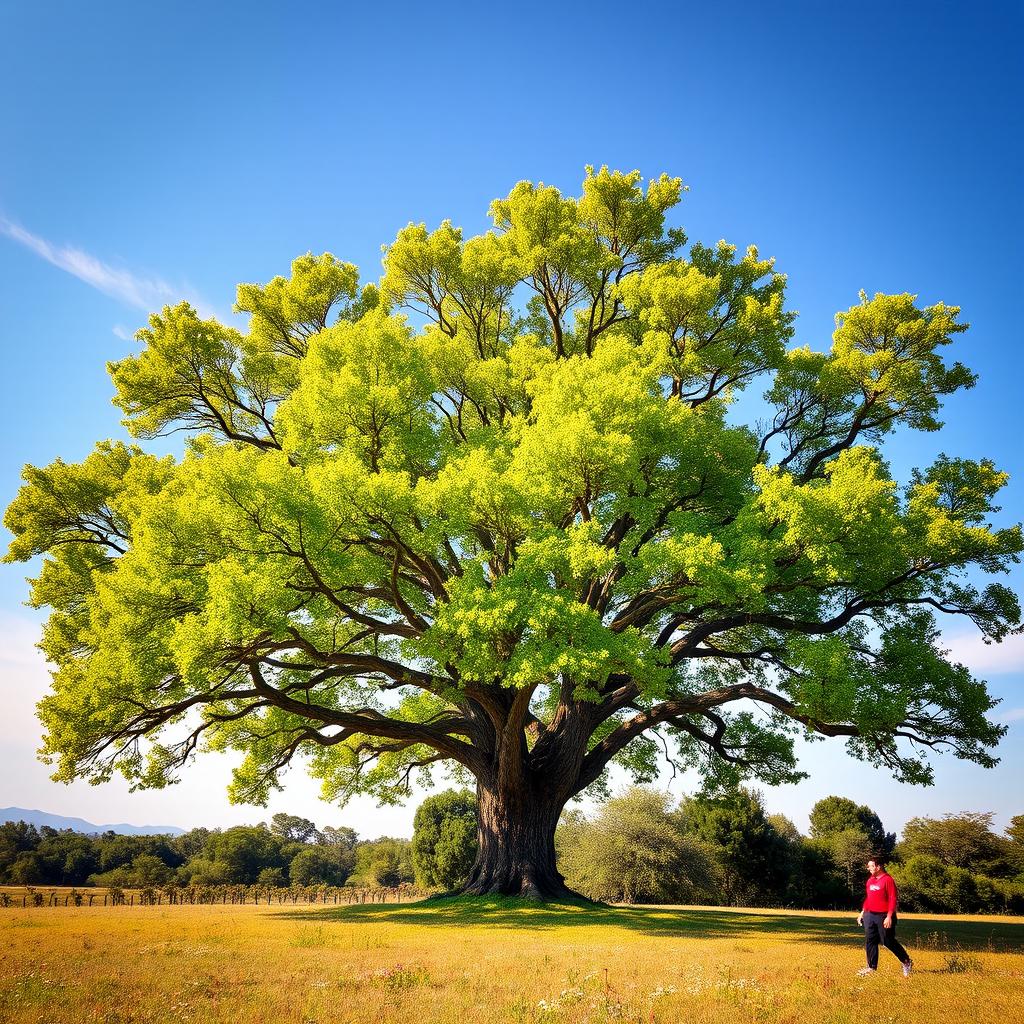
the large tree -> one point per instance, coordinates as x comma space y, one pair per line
492, 513
754, 859
834, 815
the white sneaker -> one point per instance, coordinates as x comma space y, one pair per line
907, 968
865, 971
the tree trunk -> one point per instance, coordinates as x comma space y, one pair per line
516, 855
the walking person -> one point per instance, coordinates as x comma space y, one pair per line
878, 918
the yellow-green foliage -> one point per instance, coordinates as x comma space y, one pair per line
507, 480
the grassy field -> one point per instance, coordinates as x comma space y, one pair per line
491, 961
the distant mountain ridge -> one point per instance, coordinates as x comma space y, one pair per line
59, 821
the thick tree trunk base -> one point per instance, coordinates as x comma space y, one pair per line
516, 852
524, 885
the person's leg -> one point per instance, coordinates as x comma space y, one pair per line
890, 942
872, 936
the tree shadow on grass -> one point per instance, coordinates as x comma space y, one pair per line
669, 922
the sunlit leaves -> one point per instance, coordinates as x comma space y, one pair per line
885, 368
892, 349
287, 312
521, 631
191, 373
629, 221
846, 527
711, 322
363, 389
463, 287
575, 253
88, 503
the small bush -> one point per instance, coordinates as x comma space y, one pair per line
310, 937
399, 977
962, 963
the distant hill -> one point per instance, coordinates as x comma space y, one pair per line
38, 818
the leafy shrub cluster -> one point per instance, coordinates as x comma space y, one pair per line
638, 848
958, 864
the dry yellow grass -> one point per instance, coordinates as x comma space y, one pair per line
480, 961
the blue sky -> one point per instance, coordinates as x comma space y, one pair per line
150, 152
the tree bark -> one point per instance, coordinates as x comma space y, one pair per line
516, 854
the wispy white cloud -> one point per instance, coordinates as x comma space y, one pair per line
142, 292
122, 332
1011, 715
992, 659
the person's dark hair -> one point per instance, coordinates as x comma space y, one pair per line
878, 859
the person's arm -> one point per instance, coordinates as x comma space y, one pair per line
891, 901
860, 916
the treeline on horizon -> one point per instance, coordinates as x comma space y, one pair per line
638, 847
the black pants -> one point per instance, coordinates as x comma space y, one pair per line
874, 934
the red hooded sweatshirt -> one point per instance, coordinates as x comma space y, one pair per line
880, 896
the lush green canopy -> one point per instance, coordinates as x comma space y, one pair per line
492, 512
